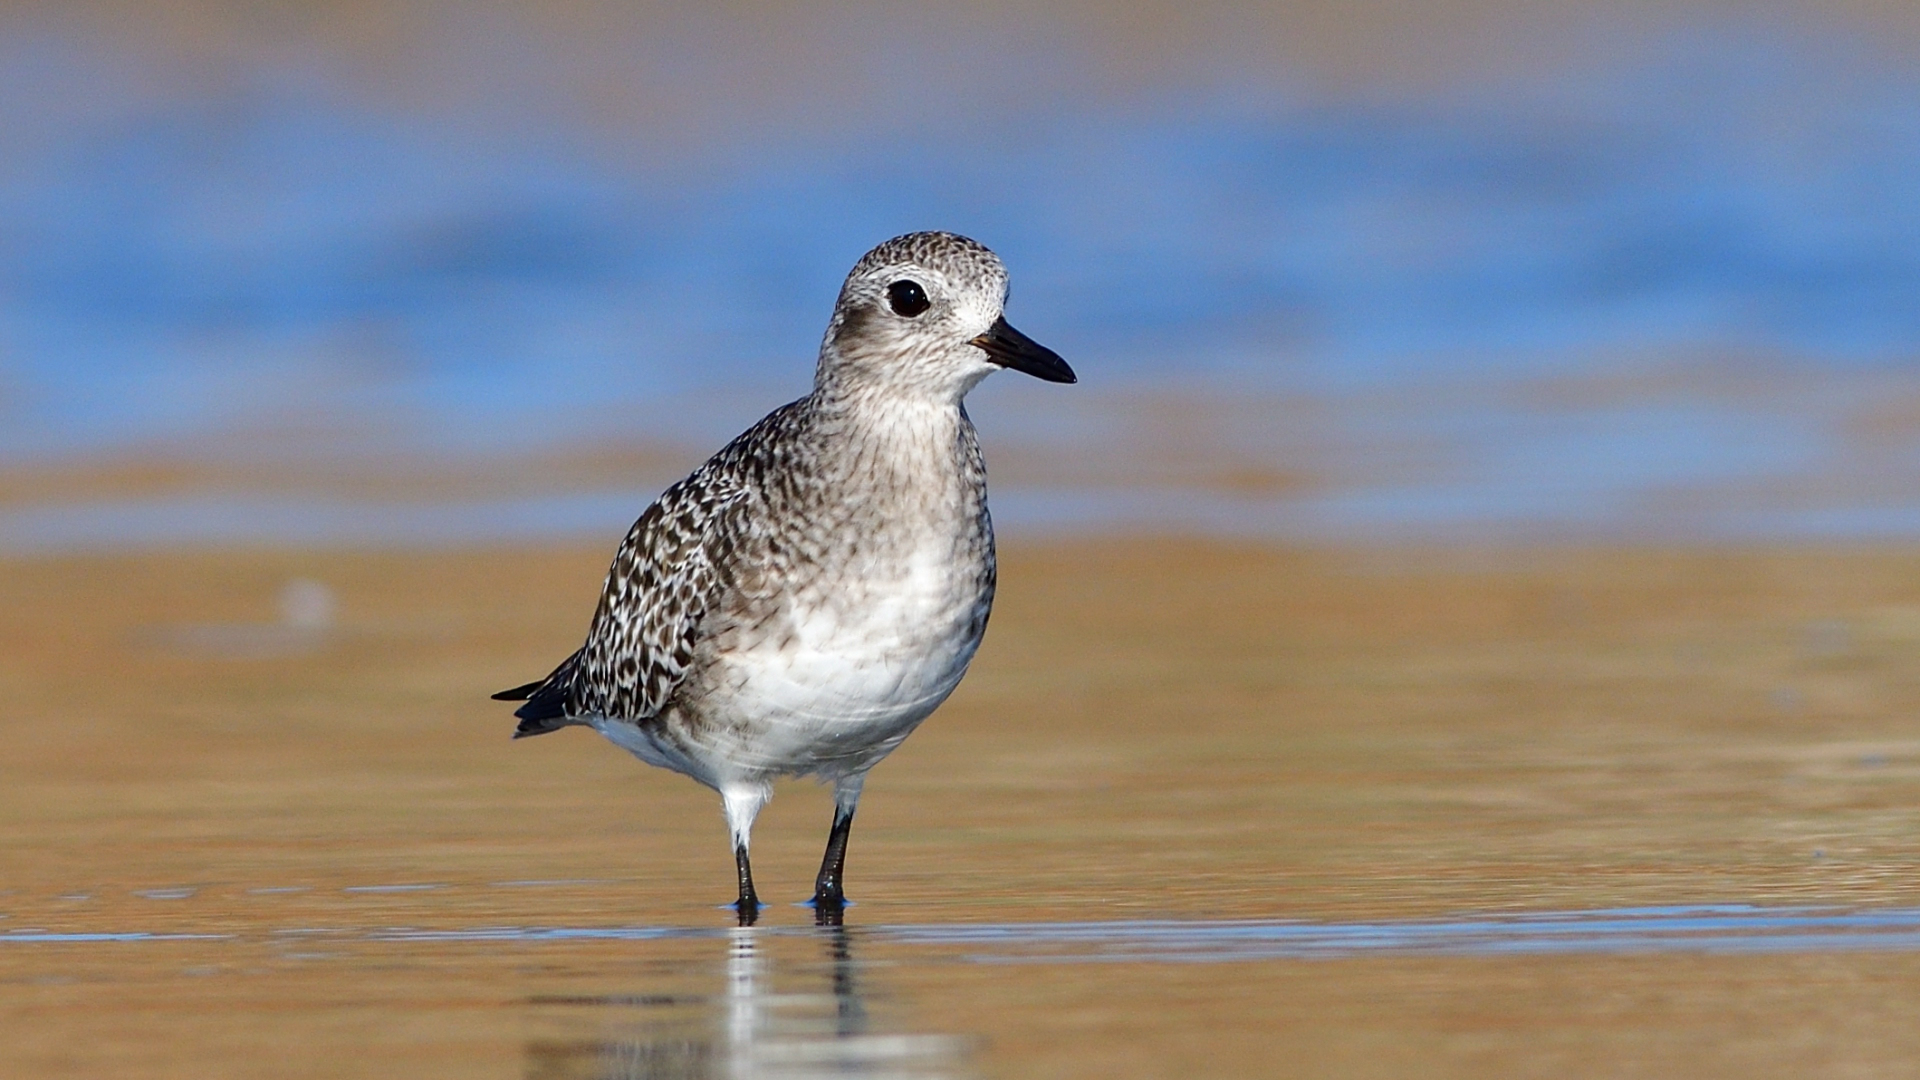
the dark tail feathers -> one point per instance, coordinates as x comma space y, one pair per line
520, 693
547, 701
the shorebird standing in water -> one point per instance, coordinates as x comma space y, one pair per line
802, 601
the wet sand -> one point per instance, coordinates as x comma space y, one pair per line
1155, 730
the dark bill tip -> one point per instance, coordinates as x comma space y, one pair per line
1010, 348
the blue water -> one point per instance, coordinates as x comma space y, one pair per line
1713, 928
275, 254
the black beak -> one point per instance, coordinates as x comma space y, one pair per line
1010, 348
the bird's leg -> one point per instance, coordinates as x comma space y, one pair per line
828, 890
829, 894
749, 903
743, 803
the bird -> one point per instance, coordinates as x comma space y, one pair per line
798, 604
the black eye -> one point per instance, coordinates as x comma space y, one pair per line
907, 298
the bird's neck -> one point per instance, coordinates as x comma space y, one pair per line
888, 416
881, 435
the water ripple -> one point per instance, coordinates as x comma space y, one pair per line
1714, 928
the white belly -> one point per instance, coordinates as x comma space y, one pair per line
845, 676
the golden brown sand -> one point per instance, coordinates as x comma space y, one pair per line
1171, 729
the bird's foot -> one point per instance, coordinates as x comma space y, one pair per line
748, 908
828, 911
829, 907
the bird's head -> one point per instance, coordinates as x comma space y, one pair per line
921, 314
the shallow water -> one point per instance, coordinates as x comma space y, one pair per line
1680, 928
1198, 809
947, 999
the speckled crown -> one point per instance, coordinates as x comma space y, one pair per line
956, 256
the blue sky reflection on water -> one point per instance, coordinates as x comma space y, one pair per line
1696, 928
271, 252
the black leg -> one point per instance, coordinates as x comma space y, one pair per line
828, 892
748, 904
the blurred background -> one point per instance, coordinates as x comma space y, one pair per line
339, 343
417, 272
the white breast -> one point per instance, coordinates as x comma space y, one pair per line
852, 672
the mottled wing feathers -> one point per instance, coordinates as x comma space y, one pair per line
662, 581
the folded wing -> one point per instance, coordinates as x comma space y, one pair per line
661, 583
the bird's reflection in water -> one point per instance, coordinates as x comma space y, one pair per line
810, 1027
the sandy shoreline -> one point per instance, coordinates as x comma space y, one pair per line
1154, 730
1153, 726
